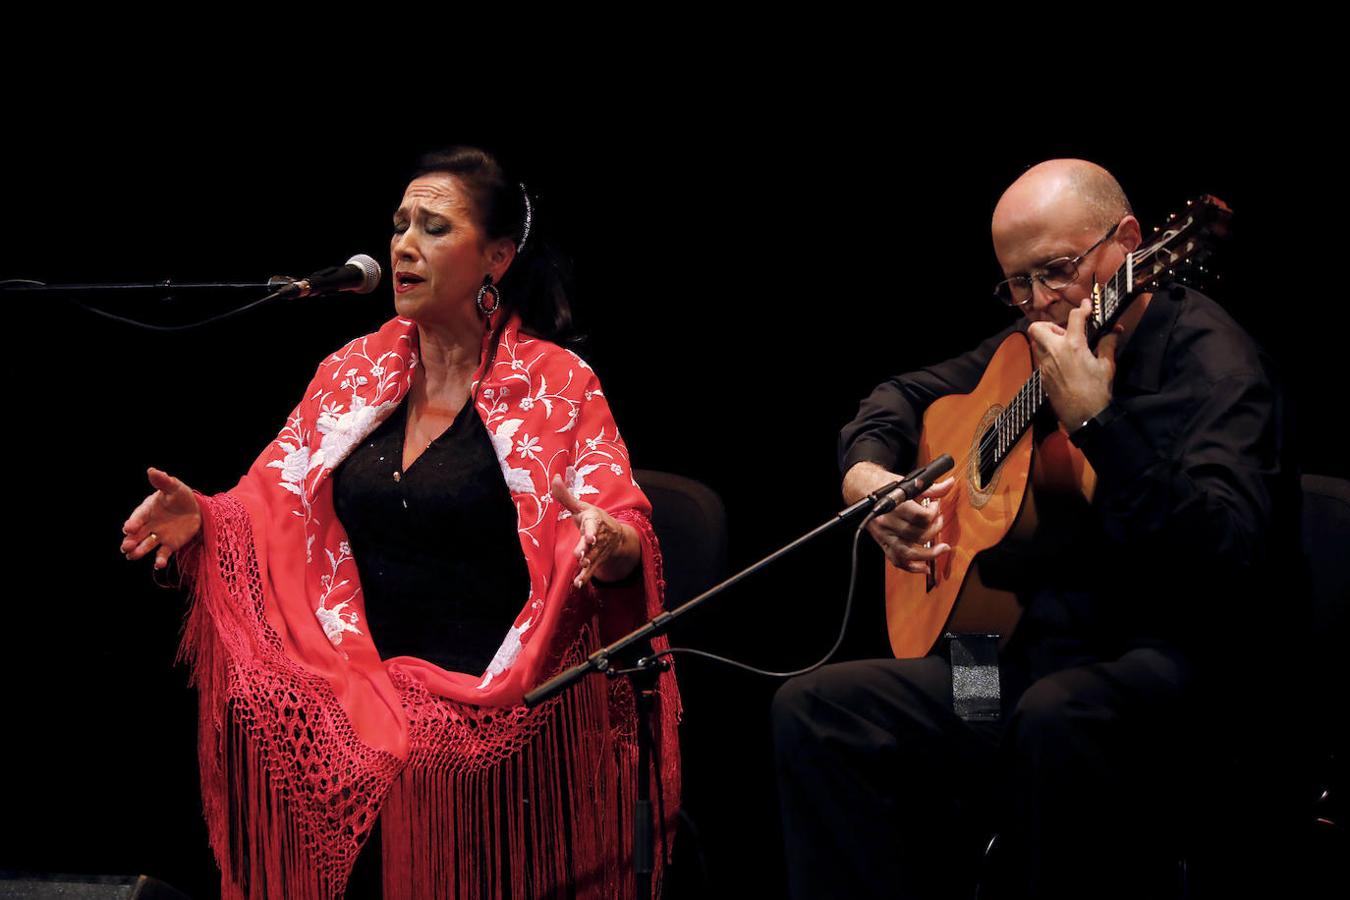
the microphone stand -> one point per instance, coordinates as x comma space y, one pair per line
36, 287
277, 286
644, 673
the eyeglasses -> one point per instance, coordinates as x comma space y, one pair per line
1056, 275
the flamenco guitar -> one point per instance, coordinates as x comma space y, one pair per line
988, 432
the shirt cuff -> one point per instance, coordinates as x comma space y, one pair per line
867, 450
1114, 445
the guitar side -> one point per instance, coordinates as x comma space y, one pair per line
977, 516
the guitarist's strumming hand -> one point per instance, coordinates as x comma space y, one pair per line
902, 532
1077, 381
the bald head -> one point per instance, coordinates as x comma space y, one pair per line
1058, 210
1066, 189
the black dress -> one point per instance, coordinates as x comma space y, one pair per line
436, 546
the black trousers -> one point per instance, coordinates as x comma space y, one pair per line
885, 792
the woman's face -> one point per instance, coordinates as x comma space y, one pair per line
439, 254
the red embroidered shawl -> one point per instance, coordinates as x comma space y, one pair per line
306, 735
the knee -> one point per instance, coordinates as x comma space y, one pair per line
796, 705
864, 707
1055, 711
826, 709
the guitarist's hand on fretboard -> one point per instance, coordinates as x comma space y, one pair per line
1077, 382
903, 533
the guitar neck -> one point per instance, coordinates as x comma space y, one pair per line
1142, 272
1109, 302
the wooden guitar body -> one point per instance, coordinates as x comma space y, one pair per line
977, 515
988, 433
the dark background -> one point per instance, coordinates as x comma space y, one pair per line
747, 269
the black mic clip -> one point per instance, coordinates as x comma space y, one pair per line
913, 484
360, 274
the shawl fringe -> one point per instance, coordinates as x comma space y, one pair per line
288, 793
492, 802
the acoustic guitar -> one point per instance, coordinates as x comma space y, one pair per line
988, 433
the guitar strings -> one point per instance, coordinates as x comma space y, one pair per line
1035, 380
999, 429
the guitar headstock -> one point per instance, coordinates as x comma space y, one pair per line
1182, 247
1179, 251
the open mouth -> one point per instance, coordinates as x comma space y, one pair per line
407, 279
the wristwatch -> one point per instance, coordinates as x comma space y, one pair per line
1086, 433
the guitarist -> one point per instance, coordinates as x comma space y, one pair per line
885, 790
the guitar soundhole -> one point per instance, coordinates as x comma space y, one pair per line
984, 459
988, 461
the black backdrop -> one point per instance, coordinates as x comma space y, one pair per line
744, 276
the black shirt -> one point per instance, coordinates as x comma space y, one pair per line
436, 546
1197, 501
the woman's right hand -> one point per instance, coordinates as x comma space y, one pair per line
165, 522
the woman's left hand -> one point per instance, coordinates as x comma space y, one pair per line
607, 549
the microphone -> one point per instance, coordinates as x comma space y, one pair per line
914, 484
360, 274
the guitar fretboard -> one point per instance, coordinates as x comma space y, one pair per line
1141, 272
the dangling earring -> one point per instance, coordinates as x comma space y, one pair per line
488, 288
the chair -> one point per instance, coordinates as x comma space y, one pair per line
1326, 542
1284, 809
691, 524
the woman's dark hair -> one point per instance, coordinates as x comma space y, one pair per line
535, 286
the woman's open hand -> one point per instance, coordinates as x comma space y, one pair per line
607, 549
165, 522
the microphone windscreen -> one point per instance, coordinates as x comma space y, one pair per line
370, 269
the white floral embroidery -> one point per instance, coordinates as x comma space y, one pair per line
529, 393
506, 654
306, 450
598, 445
575, 479
296, 463
344, 431
571, 421
528, 446
517, 480
334, 621
294, 467
543, 405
